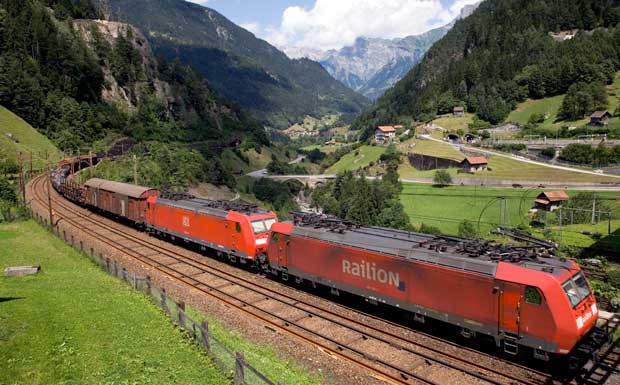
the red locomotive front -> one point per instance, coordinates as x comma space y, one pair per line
519, 300
233, 228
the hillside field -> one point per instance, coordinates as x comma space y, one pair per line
446, 207
550, 107
454, 123
351, 161
502, 168
30, 140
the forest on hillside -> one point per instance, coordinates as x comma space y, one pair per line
503, 54
52, 78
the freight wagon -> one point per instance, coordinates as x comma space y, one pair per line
236, 229
121, 199
519, 299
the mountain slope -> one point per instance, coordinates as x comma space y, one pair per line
247, 70
503, 53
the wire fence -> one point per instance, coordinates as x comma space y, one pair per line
229, 361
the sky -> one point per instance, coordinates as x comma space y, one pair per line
332, 24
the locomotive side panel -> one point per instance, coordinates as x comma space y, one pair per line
458, 297
210, 231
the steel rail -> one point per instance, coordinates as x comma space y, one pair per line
337, 322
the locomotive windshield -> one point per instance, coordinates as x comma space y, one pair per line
262, 225
576, 289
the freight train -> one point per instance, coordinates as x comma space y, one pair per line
523, 297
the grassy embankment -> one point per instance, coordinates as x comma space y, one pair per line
30, 140
501, 168
454, 123
551, 106
72, 323
356, 159
446, 207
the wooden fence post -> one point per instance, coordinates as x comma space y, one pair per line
239, 368
181, 311
204, 331
164, 305
115, 268
148, 285
124, 274
107, 265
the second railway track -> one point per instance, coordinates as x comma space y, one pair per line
378, 346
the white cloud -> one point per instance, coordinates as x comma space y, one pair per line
333, 24
200, 2
255, 28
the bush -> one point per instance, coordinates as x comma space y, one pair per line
614, 278
442, 178
548, 152
427, 229
467, 229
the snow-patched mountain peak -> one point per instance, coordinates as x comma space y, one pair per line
372, 65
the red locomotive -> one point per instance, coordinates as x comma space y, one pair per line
521, 297
232, 228
535, 301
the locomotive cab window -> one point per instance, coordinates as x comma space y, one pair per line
576, 289
532, 296
262, 225
275, 237
238, 227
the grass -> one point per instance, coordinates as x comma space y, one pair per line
74, 324
431, 148
357, 159
30, 140
56, 328
551, 106
323, 148
454, 123
446, 207
501, 168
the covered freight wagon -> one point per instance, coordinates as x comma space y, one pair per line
121, 199
518, 297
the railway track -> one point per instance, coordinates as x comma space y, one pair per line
401, 360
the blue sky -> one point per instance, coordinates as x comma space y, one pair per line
327, 24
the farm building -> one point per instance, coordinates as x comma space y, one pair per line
550, 200
600, 118
474, 164
385, 133
458, 111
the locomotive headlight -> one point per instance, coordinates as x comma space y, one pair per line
261, 241
579, 322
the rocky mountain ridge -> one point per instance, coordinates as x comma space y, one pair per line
372, 65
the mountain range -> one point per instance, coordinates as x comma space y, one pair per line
277, 90
502, 54
372, 65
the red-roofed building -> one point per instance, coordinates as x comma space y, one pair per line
385, 133
550, 200
474, 164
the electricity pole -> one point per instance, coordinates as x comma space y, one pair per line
594, 210
22, 184
135, 170
49, 198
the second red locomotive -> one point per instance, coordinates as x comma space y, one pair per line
520, 299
